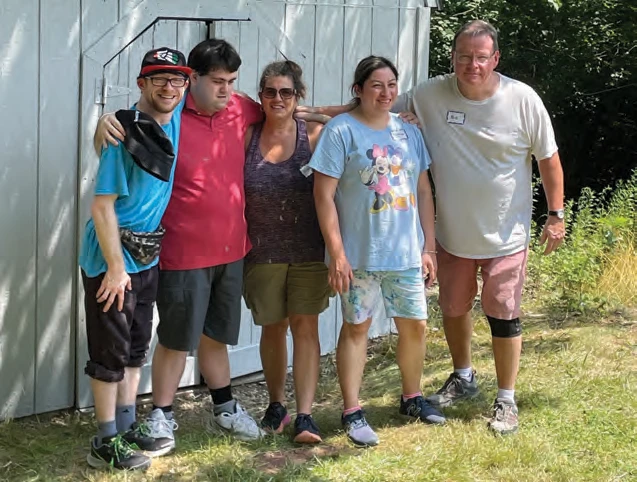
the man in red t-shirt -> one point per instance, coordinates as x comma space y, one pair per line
201, 261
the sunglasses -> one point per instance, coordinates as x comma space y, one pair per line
271, 92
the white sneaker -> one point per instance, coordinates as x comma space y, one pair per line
161, 429
238, 424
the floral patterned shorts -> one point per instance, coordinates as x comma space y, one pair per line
403, 294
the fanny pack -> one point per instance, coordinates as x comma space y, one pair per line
144, 247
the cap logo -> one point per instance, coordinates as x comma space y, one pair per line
167, 56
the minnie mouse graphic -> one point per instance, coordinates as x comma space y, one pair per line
375, 177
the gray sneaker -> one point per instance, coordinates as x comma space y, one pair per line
505, 417
358, 430
161, 429
238, 424
454, 389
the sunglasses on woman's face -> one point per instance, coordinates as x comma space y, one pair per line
285, 93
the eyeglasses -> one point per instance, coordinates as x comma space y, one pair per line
285, 93
467, 59
162, 81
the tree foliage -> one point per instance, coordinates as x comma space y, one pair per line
581, 57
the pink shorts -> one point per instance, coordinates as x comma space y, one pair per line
502, 281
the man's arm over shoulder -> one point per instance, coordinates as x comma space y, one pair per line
250, 109
314, 130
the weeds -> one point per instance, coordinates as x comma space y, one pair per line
597, 267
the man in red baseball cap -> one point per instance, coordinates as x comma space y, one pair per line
119, 259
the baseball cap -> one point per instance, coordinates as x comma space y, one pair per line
164, 59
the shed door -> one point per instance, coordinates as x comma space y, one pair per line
118, 90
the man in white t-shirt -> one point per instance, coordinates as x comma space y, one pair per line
482, 130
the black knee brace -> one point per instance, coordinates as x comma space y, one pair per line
504, 328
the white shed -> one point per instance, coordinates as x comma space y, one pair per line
62, 64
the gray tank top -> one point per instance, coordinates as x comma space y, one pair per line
280, 212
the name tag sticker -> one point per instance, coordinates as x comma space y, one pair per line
454, 117
399, 135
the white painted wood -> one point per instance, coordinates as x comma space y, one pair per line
165, 34
18, 198
90, 111
268, 50
407, 46
249, 51
357, 41
189, 34
147, 11
422, 44
385, 29
328, 59
126, 6
97, 18
299, 27
231, 32
57, 181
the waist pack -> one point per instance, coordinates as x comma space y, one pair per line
144, 247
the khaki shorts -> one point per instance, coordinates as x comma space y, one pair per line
502, 282
274, 291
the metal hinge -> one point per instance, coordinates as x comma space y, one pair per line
104, 91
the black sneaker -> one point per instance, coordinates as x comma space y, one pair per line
305, 430
454, 389
421, 409
276, 418
116, 453
139, 437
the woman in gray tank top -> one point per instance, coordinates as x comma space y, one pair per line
285, 278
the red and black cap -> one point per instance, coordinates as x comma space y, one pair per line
164, 59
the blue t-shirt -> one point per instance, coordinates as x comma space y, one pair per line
140, 204
376, 197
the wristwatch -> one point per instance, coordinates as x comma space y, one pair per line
559, 213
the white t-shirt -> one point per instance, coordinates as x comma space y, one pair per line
481, 162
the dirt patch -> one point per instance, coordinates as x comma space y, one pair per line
273, 462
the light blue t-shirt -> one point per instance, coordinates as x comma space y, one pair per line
140, 204
376, 197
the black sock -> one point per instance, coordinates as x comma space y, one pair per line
166, 409
221, 395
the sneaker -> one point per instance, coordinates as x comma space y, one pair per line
421, 409
238, 424
139, 437
358, 430
305, 430
505, 417
161, 430
454, 389
276, 418
116, 453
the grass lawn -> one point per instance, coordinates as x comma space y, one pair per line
577, 395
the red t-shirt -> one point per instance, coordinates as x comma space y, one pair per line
205, 221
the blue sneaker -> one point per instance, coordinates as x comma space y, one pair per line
421, 409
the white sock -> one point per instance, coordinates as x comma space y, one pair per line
506, 394
465, 373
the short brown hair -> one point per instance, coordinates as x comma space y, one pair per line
285, 68
476, 28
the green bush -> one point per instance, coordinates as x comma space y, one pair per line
597, 225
